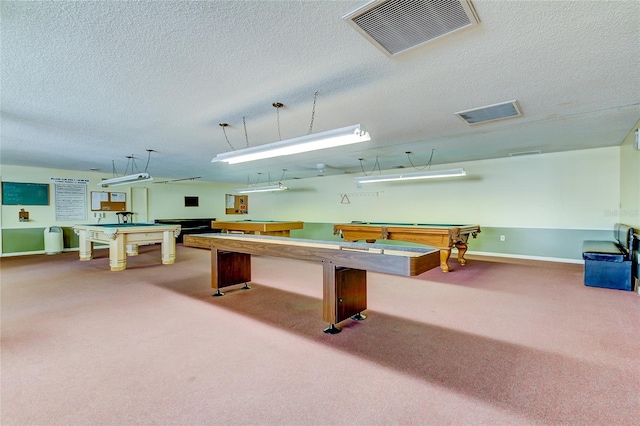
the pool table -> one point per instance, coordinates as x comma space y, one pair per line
258, 227
123, 240
442, 237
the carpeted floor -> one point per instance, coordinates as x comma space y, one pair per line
489, 343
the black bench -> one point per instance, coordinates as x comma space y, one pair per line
608, 264
190, 226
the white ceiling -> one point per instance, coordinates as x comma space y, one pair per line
86, 84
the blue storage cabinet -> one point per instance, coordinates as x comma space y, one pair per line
609, 264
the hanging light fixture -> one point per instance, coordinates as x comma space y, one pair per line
128, 179
427, 174
266, 188
330, 139
432, 174
310, 142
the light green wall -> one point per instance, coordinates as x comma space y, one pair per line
167, 201
539, 243
164, 201
27, 240
629, 212
22, 240
43, 216
545, 205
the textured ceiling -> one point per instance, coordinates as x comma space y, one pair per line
86, 84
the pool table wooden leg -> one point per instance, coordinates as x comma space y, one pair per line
168, 248
86, 246
132, 249
462, 249
117, 254
444, 258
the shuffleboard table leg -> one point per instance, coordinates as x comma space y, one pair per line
229, 268
332, 329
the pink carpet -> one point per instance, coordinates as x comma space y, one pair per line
490, 343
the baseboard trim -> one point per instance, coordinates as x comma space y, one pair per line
488, 255
30, 253
471, 254
23, 253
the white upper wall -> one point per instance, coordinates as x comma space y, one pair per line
573, 190
164, 201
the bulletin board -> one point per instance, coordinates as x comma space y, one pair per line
25, 194
108, 201
236, 204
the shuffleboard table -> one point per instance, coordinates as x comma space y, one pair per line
345, 266
123, 240
443, 237
258, 227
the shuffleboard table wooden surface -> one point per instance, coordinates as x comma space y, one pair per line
344, 266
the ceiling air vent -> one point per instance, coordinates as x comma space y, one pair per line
395, 26
491, 113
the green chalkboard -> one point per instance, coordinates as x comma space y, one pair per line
25, 194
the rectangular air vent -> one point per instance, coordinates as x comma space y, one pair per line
491, 113
395, 26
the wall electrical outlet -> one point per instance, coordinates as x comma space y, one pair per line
98, 214
502, 238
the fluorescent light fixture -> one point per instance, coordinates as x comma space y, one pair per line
332, 138
412, 176
268, 188
126, 180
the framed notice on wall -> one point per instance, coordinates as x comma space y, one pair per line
108, 201
71, 198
